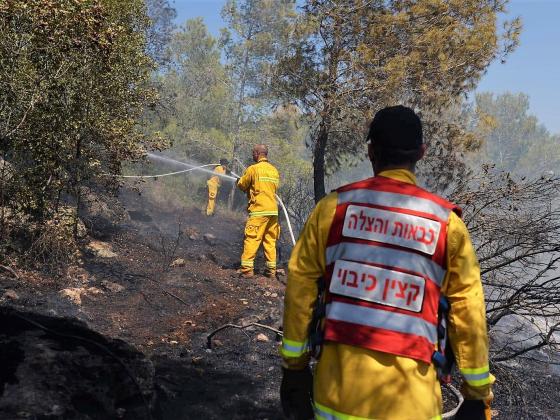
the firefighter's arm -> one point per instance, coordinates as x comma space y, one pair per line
306, 267
467, 317
246, 179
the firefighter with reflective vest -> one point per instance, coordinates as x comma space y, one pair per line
372, 264
260, 182
213, 186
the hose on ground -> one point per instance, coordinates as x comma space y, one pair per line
447, 415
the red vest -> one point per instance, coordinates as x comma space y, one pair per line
386, 258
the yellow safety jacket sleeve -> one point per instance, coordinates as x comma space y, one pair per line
260, 181
306, 266
246, 179
467, 317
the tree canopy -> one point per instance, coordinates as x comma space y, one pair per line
513, 139
348, 59
74, 82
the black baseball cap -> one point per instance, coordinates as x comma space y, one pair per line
396, 128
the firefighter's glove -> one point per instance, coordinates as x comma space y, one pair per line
296, 394
473, 410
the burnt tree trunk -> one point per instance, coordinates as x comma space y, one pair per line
319, 162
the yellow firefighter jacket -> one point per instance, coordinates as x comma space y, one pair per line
215, 180
260, 182
353, 383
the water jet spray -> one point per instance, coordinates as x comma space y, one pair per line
202, 168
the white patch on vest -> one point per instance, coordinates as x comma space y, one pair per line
378, 285
391, 228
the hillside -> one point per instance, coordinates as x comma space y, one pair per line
134, 316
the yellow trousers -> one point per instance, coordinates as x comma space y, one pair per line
259, 229
212, 193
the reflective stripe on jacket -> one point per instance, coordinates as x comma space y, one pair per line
260, 181
385, 265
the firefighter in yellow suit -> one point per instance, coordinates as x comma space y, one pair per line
214, 185
356, 383
260, 182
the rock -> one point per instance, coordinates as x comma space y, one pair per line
74, 294
209, 239
249, 319
217, 343
112, 287
101, 249
52, 376
191, 233
10, 295
93, 291
179, 262
197, 360
274, 295
262, 338
280, 272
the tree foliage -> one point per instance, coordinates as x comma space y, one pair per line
513, 139
74, 81
256, 34
197, 97
349, 58
160, 30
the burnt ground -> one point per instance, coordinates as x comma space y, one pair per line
118, 336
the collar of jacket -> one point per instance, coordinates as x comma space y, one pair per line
403, 175
262, 159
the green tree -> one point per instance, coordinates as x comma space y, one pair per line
74, 81
349, 58
160, 31
196, 113
513, 139
256, 34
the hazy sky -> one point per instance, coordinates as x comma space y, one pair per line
534, 68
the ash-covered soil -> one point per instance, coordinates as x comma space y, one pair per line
138, 312
155, 285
